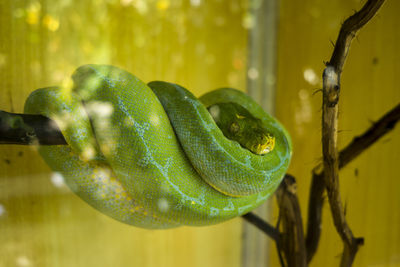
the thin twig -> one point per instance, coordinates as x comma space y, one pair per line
364, 141
348, 31
265, 227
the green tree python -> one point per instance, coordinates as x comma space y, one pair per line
154, 156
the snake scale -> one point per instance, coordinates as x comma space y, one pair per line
151, 155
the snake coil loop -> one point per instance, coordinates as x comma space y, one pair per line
151, 155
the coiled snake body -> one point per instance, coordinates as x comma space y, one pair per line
152, 155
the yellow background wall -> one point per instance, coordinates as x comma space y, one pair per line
370, 185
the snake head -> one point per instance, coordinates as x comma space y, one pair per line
239, 125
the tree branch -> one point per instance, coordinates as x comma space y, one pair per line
331, 163
26, 129
348, 31
331, 91
265, 227
292, 238
358, 145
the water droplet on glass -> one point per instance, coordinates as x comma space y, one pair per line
57, 179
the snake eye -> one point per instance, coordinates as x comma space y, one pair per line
234, 128
215, 112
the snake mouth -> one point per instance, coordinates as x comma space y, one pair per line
266, 146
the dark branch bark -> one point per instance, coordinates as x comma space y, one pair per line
364, 141
331, 92
329, 177
314, 217
292, 238
331, 86
348, 31
268, 229
25, 129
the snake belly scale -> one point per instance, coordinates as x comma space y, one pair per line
150, 155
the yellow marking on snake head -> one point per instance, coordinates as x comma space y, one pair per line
268, 145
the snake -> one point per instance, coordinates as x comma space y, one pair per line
155, 156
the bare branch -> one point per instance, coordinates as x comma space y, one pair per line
359, 144
349, 30
331, 163
292, 238
268, 229
329, 177
331, 91
26, 129
364, 141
